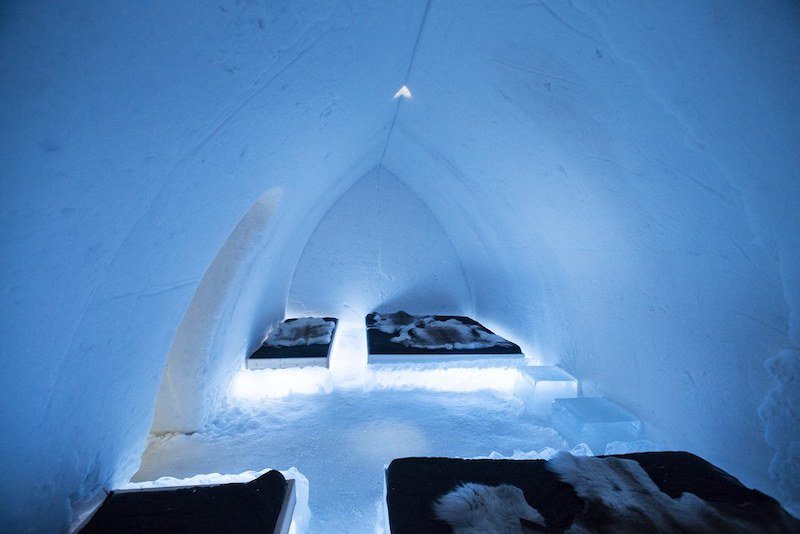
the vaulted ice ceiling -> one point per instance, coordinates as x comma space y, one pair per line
615, 186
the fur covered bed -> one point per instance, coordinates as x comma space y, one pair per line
403, 333
644, 492
263, 505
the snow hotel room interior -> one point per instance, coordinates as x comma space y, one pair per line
418, 266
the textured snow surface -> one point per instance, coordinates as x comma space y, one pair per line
301, 331
378, 247
342, 440
781, 415
639, 445
615, 183
426, 332
580, 449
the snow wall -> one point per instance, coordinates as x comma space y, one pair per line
615, 185
379, 248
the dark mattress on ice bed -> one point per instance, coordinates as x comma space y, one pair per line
379, 342
300, 351
413, 484
229, 508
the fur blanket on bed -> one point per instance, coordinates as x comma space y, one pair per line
478, 509
618, 496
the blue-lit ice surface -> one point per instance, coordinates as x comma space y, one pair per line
341, 430
578, 185
539, 385
595, 421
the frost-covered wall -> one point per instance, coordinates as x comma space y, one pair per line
134, 139
618, 183
780, 412
630, 171
379, 248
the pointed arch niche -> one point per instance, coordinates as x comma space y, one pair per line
379, 247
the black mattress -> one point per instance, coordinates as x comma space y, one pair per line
413, 484
379, 342
301, 351
229, 508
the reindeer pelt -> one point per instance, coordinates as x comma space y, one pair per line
478, 509
619, 496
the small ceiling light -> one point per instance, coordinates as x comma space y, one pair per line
403, 92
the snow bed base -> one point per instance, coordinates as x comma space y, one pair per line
414, 484
263, 505
381, 348
595, 421
269, 357
539, 385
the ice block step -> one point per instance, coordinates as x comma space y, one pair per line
595, 421
539, 385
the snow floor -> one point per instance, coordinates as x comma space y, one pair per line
341, 427
342, 440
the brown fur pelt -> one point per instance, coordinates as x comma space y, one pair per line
619, 496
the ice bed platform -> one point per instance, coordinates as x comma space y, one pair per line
414, 484
403, 338
539, 385
595, 421
263, 505
271, 356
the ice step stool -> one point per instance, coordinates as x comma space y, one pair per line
539, 385
595, 421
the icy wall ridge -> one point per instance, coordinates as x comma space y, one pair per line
780, 412
480, 235
406, 77
187, 390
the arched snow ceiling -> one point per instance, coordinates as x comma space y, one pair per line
618, 182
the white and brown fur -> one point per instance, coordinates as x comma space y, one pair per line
618, 496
